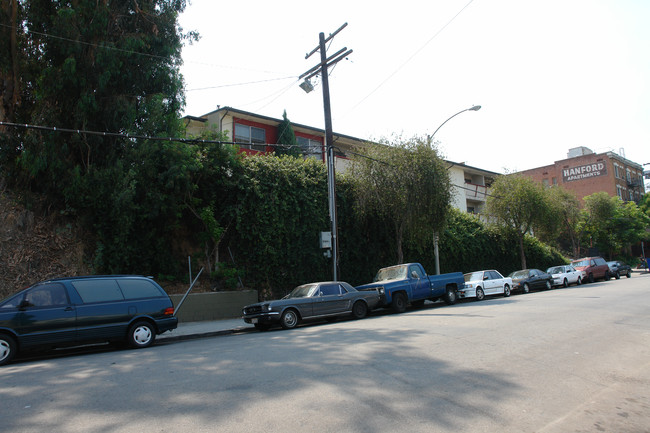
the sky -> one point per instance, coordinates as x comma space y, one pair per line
549, 75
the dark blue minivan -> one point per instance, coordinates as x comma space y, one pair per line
80, 310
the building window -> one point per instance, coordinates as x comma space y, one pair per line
629, 176
619, 191
310, 148
631, 195
545, 183
554, 180
256, 137
617, 175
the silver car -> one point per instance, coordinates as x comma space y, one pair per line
312, 301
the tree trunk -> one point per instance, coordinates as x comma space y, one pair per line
521, 250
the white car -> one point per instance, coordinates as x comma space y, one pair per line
564, 275
480, 284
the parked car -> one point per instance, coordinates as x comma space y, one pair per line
564, 275
528, 279
80, 310
480, 284
594, 267
409, 283
312, 301
617, 269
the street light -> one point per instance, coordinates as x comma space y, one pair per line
435, 235
474, 108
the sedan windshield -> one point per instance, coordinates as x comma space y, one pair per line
474, 276
519, 274
302, 291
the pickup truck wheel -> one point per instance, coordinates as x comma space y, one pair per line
450, 296
480, 295
399, 303
359, 310
7, 349
289, 319
506, 290
526, 288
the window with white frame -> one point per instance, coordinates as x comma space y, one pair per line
254, 137
619, 191
310, 148
616, 172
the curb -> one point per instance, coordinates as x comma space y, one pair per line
198, 335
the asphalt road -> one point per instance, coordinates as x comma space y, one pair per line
566, 360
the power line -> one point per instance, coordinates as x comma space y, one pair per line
400, 67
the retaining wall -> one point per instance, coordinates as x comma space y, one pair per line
213, 306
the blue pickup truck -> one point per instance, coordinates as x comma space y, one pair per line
398, 285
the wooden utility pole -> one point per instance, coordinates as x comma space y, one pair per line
325, 63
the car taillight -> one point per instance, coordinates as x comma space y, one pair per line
169, 311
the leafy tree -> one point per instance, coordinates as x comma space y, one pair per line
519, 203
559, 225
610, 224
213, 199
287, 138
107, 66
406, 183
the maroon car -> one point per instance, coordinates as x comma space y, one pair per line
595, 268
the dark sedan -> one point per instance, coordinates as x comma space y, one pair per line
312, 301
617, 269
528, 279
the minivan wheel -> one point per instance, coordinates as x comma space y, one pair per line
141, 335
7, 349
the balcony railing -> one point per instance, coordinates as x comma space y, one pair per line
475, 192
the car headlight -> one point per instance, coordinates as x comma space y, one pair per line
267, 307
468, 286
381, 290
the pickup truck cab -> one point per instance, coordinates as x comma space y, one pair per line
400, 284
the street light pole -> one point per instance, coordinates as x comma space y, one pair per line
474, 108
435, 235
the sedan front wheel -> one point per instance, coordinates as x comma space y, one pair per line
289, 319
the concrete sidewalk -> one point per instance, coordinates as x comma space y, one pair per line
206, 328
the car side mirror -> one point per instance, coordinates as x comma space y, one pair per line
485, 277
414, 275
24, 304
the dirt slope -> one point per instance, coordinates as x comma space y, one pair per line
35, 246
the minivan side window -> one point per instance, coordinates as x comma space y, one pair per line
135, 289
98, 290
47, 295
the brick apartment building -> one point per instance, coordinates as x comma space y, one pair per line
585, 172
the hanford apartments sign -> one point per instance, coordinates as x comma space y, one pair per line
584, 171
